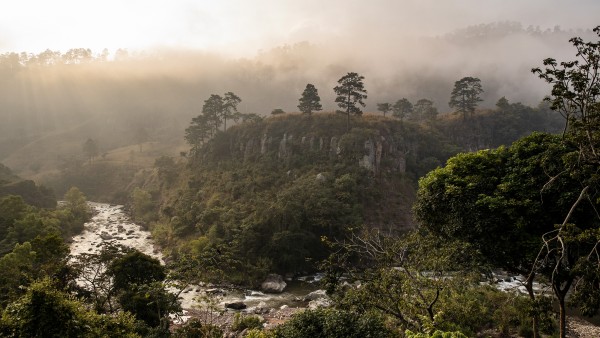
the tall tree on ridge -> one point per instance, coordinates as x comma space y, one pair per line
350, 91
465, 95
230, 102
384, 107
310, 100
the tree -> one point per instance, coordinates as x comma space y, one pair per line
277, 111
575, 93
506, 202
76, 204
230, 103
90, 149
384, 108
402, 108
45, 311
424, 109
213, 111
310, 100
404, 278
350, 91
142, 205
137, 279
465, 95
503, 104
199, 130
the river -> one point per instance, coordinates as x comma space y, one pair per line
110, 224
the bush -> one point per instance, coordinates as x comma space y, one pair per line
331, 323
195, 329
240, 322
436, 334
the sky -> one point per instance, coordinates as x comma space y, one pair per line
244, 27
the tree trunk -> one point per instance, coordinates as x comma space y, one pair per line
562, 322
561, 294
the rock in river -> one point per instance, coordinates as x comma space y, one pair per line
273, 284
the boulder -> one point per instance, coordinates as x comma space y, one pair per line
273, 284
318, 294
319, 303
235, 305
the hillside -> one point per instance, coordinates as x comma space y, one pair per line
267, 192
11, 184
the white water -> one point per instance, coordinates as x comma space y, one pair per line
111, 225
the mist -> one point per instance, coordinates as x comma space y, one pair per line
106, 96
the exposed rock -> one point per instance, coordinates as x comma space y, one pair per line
368, 160
273, 284
333, 147
378, 153
215, 291
264, 144
319, 303
235, 305
317, 294
106, 236
249, 149
321, 178
283, 147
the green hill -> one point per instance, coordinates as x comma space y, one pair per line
268, 192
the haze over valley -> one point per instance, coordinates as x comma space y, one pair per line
300, 169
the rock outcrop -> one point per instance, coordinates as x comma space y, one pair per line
273, 284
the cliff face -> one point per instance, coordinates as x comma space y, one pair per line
270, 190
387, 154
376, 145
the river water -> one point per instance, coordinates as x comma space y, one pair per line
110, 224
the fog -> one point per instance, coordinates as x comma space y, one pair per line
265, 52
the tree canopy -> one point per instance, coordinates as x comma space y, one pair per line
350, 91
310, 100
465, 95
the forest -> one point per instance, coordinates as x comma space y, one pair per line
409, 209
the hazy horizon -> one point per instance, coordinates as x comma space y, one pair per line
241, 28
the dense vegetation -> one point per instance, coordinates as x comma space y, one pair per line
263, 194
298, 192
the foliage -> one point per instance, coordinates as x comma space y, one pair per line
310, 100
423, 283
243, 322
76, 204
569, 254
277, 111
123, 278
215, 111
143, 206
45, 311
271, 189
465, 95
409, 279
436, 334
384, 107
330, 323
350, 92
402, 108
517, 194
424, 110
193, 328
